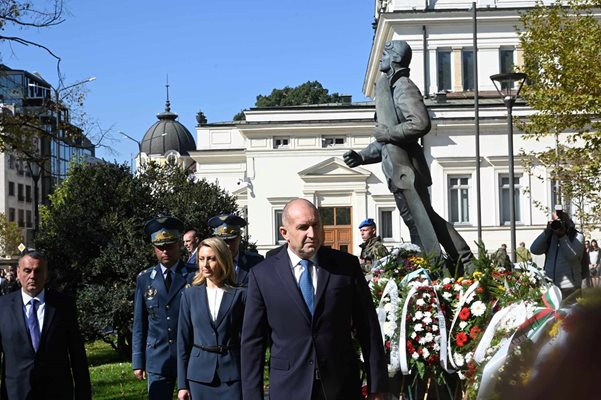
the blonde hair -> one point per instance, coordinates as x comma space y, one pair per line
225, 261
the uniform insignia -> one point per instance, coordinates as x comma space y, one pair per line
153, 274
150, 293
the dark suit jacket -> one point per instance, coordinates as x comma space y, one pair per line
246, 260
59, 369
275, 309
196, 327
154, 335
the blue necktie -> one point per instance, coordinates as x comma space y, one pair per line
33, 324
305, 284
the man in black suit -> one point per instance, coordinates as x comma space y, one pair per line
40, 340
305, 300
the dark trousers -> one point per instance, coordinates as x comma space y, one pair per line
160, 387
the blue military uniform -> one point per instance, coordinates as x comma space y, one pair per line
228, 227
156, 311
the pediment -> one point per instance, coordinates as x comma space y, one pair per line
333, 169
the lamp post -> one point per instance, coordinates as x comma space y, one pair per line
139, 148
504, 84
35, 171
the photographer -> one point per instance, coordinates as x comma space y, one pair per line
563, 247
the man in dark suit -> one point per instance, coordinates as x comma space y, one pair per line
306, 300
41, 364
229, 228
156, 309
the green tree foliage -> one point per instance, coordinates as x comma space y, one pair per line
92, 234
10, 236
562, 47
310, 92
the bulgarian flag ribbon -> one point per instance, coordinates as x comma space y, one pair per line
532, 327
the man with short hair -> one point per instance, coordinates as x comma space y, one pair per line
229, 228
304, 301
523, 255
40, 340
372, 248
156, 309
191, 241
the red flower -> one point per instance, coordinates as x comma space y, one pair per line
461, 339
479, 290
448, 286
364, 391
464, 313
387, 344
474, 332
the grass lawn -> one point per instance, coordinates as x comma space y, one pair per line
112, 377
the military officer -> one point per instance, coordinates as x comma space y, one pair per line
156, 309
228, 227
372, 248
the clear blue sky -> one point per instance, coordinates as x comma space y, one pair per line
219, 56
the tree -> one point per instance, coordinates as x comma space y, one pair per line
10, 236
92, 235
310, 92
561, 46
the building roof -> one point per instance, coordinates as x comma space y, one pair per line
168, 134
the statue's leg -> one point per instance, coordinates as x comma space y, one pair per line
455, 246
401, 204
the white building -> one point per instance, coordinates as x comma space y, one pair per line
281, 153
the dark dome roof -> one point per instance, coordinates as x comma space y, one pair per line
168, 134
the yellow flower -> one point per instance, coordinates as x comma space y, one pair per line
501, 288
555, 328
478, 275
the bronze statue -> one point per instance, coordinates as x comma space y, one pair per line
402, 120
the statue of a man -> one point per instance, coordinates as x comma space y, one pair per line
402, 120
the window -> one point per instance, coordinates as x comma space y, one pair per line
20, 195
21, 220
505, 62
332, 141
385, 224
11, 215
459, 205
277, 223
504, 192
443, 69
28, 193
11, 161
11, 188
281, 142
467, 69
20, 170
28, 218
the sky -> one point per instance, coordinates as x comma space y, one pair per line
218, 56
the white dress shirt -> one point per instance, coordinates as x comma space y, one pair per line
214, 296
297, 268
41, 306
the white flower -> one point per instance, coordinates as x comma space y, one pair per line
478, 308
415, 356
462, 325
389, 328
434, 327
469, 356
425, 353
418, 328
427, 320
420, 302
458, 358
409, 247
422, 340
436, 346
413, 335
447, 296
426, 296
429, 337
427, 314
446, 281
457, 287
418, 315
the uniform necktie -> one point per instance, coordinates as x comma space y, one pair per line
33, 324
168, 279
306, 284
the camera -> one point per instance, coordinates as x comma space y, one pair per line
558, 224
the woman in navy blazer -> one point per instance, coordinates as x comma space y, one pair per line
210, 323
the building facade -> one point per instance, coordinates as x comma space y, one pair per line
24, 93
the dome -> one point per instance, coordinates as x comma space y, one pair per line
167, 134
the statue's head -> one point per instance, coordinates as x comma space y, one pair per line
397, 52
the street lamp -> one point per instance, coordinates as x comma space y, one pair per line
504, 84
139, 148
35, 171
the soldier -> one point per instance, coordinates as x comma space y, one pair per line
228, 228
372, 248
156, 309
